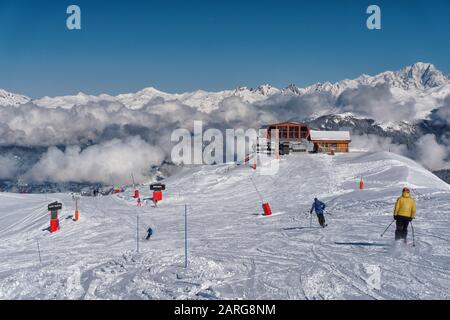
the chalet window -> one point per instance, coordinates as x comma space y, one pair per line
293, 132
283, 132
303, 132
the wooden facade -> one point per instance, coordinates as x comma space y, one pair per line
291, 134
289, 131
330, 141
331, 146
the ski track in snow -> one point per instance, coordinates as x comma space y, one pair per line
233, 253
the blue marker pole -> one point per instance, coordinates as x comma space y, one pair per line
185, 237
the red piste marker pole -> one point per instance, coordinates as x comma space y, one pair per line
265, 205
267, 209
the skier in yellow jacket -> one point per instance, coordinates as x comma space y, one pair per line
404, 212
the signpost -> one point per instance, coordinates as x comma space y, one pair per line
185, 238
157, 189
54, 222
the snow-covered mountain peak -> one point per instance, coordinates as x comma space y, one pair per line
12, 99
422, 76
150, 91
266, 90
292, 89
420, 82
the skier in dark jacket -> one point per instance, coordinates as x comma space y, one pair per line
149, 233
319, 207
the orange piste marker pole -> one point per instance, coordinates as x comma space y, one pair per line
76, 210
254, 164
361, 184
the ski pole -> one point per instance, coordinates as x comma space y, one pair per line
387, 228
414, 241
310, 220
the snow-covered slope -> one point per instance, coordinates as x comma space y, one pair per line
234, 252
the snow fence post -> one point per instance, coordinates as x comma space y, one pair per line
137, 233
185, 238
39, 251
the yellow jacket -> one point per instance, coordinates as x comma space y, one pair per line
405, 206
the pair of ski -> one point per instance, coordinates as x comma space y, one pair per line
310, 219
412, 227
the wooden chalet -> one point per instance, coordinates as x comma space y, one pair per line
289, 131
330, 141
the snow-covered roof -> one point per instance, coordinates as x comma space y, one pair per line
330, 135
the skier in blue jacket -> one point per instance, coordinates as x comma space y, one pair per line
319, 207
149, 233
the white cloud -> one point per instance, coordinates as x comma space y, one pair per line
372, 142
431, 154
9, 167
109, 162
107, 126
376, 103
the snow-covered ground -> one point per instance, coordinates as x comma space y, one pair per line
234, 252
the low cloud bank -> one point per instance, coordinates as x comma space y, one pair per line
9, 167
431, 154
376, 103
371, 142
104, 141
110, 162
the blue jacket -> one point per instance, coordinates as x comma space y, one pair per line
318, 206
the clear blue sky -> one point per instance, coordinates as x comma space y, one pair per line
181, 46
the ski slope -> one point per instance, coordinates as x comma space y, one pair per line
234, 252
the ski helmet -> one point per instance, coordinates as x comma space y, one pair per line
405, 189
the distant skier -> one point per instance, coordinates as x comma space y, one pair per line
319, 207
149, 233
404, 213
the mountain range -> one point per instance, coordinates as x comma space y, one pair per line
405, 111
422, 82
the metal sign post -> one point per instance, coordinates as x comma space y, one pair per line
137, 233
39, 251
185, 238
